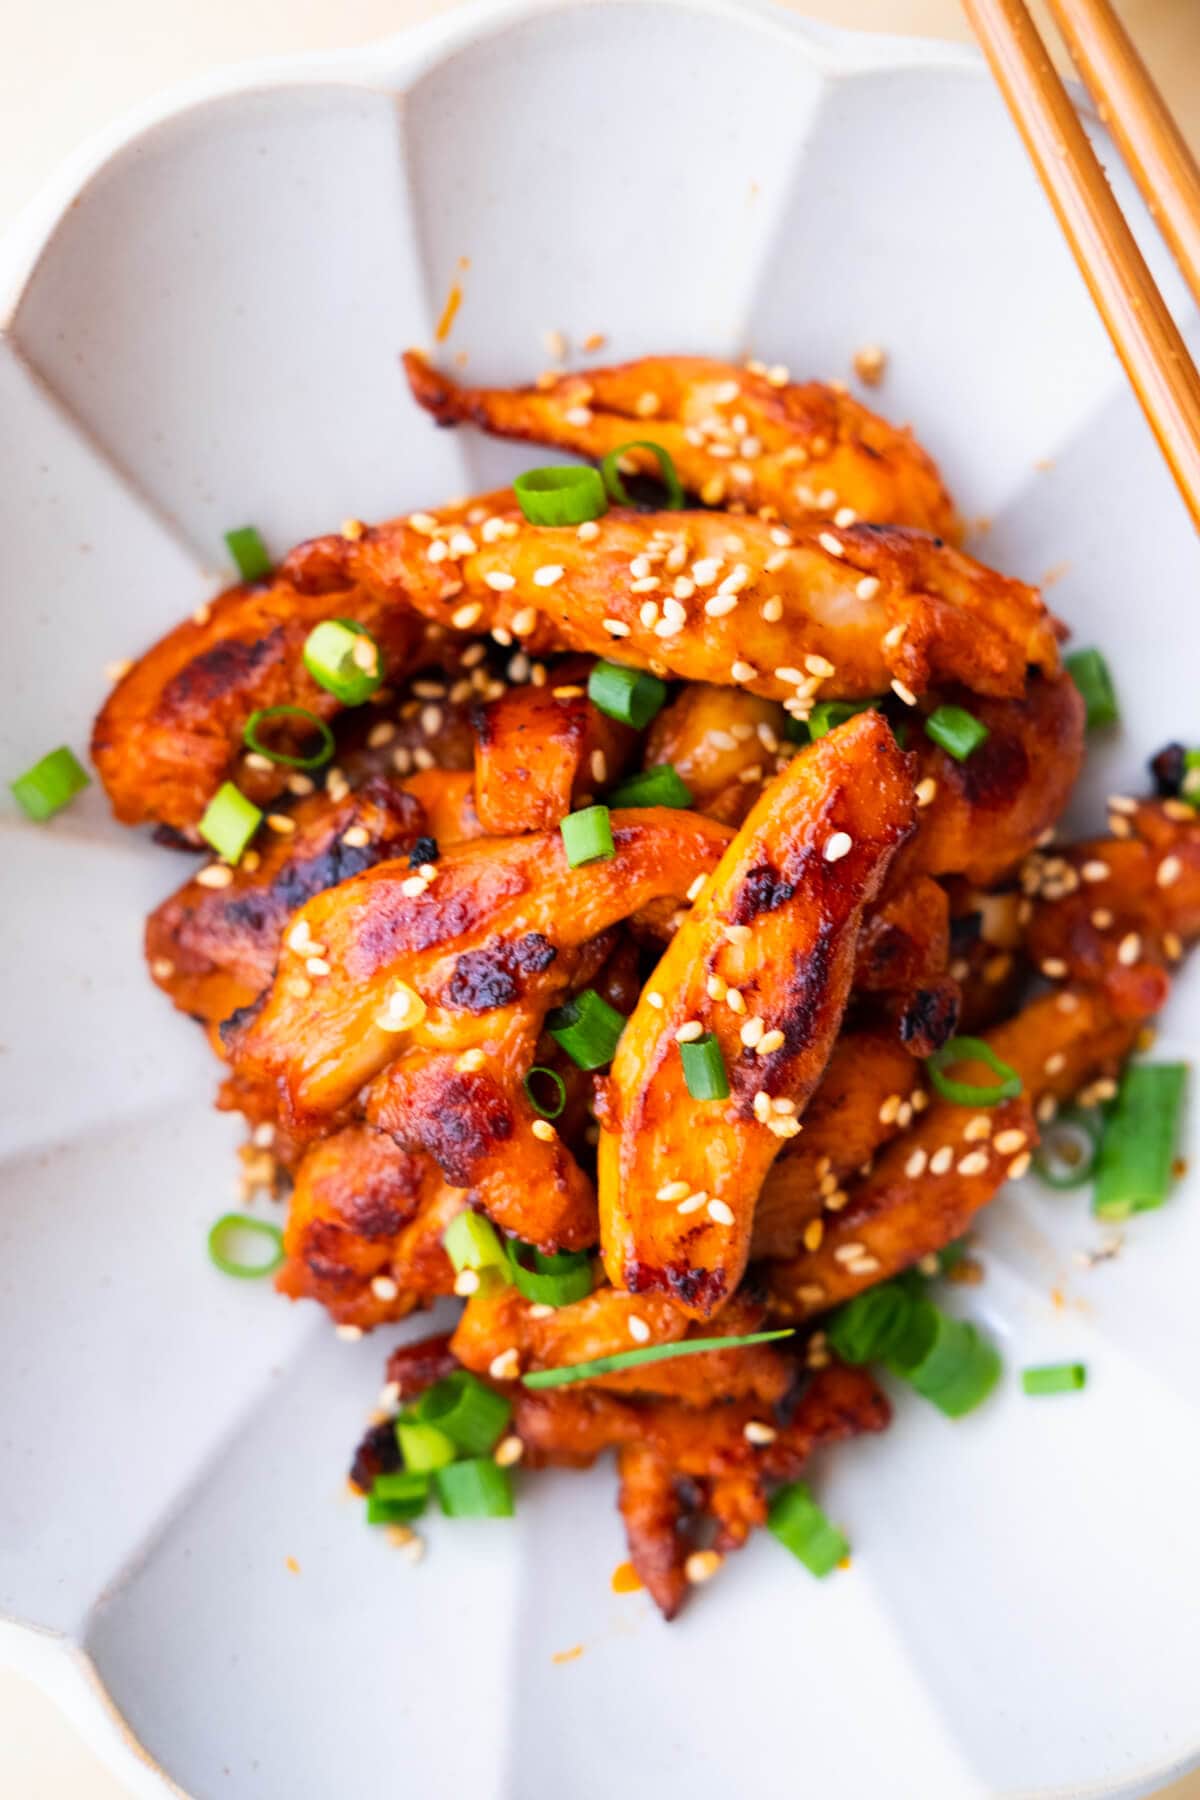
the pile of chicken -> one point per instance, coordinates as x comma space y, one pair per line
376, 972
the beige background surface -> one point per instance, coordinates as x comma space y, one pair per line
69, 66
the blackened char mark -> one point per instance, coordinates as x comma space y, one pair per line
704, 1289
225, 669
929, 1018
485, 979
763, 889
458, 1120
378, 1454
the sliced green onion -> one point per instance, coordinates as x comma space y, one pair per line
587, 1028
958, 1368
649, 1353
616, 487
392, 1512
801, 1527
1066, 1155
965, 1093
397, 1497
660, 786
556, 1083
314, 761
561, 496
1134, 1165
704, 1068
631, 695
553, 1280
1054, 1378
423, 1447
46, 788
797, 731
344, 659
229, 822
1090, 673
476, 1489
587, 836
471, 1414
248, 552
472, 1242
827, 714
868, 1327
223, 1243
956, 730
1189, 786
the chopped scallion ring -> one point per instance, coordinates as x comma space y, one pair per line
223, 1241
313, 761
553, 1280
1066, 1155
956, 1368
632, 695
541, 1076
423, 1447
392, 1512
561, 496
475, 1489
704, 1068
471, 1414
801, 1527
965, 1093
397, 1497
472, 1242
587, 1028
1135, 1162
630, 1359
344, 659
587, 836
229, 822
51, 783
1091, 675
868, 1327
249, 553
957, 731
610, 469
1054, 1378
660, 786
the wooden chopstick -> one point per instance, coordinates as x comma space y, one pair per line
1143, 333
1138, 117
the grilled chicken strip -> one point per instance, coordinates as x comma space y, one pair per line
495, 927
214, 949
927, 1186
756, 439
723, 743
364, 1229
666, 1449
494, 1324
778, 926
541, 752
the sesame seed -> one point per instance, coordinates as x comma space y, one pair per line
868, 587
542, 1128
837, 846
578, 416
648, 614
831, 545
1172, 945
349, 1334
974, 1163
692, 1204
941, 1159
639, 1331
508, 1451
215, 875
470, 1061
719, 605
466, 1282
818, 665
317, 965
977, 1129
1169, 870
782, 1105
772, 610
506, 1366
384, 1288
413, 886
1179, 810
916, 1164
755, 1431
743, 671
673, 1190
1019, 1166
770, 1042
702, 1565
615, 628
1102, 917
814, 1231
735, 1000
1129, 949
525, 621
1055, 1064
926, 791
1006, 1142
653, 999
202, 614
889, 1109
844, 517
752, 1031
364, 655
904, 693
463, 617
499, 580
402, 1009
720, 1212
1054, 968
1121, 803
114, 671
848, 1252
689, 1031
281, 823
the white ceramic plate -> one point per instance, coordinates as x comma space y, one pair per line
203, 321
